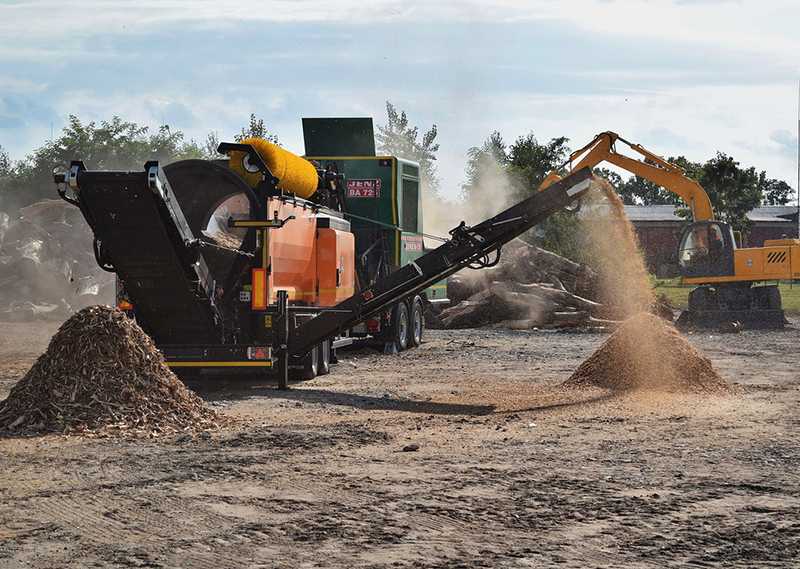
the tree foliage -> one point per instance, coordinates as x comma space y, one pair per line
5, 174
115, 145
498, 175
482, 163
5, 162
774, 192
256, 129
398, 138
530, 161
733, 191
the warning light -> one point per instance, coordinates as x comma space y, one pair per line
257, 353
124, 305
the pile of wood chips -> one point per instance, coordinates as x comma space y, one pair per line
646, 352
102, 372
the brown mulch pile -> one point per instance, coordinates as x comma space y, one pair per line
102, 372
646, 352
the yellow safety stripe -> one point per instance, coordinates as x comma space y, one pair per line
322, 290
739, 279
348, 157
256, 223
261, 363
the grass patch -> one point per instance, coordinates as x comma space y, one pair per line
678, 294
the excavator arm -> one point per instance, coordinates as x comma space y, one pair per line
653, 168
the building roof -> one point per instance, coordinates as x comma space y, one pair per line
764, 214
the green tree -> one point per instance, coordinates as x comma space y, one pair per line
112, 145
526, 163
774, 192
209, 147
733, 191
482, 162
5, 162
398, 138
5, 176
256, 129
531, 161
640, 191
612, 177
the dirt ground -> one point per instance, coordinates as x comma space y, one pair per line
510, 471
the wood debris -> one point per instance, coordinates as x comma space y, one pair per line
646, 352
102, 372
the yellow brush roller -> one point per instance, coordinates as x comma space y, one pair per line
295, 174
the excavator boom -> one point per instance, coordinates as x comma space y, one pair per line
653, 168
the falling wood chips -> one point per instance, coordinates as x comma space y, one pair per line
646, 353
102, 372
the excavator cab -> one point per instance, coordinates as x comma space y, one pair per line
707, 249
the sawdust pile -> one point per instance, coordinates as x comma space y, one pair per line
102, 372
646, 352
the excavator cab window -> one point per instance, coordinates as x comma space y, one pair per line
706, 250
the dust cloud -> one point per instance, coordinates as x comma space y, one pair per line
645, 352
614, 248
495, 188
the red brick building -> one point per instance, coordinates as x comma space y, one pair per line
659, 231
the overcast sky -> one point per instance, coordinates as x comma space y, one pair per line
679, 76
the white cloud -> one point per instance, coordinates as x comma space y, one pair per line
682, 77
746, 25
695, 123
10, 84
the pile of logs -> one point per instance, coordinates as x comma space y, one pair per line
530, 288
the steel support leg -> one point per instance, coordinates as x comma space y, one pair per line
283, 339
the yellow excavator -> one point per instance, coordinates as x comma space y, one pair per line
731, 280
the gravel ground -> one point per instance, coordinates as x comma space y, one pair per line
509, 469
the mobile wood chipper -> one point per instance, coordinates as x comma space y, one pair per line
326, 249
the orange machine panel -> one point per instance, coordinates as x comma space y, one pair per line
335, 265
292, 253
763, 263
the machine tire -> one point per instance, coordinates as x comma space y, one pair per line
309, 369
703, 298
324, 365
773, 298
400, 326
416, 322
